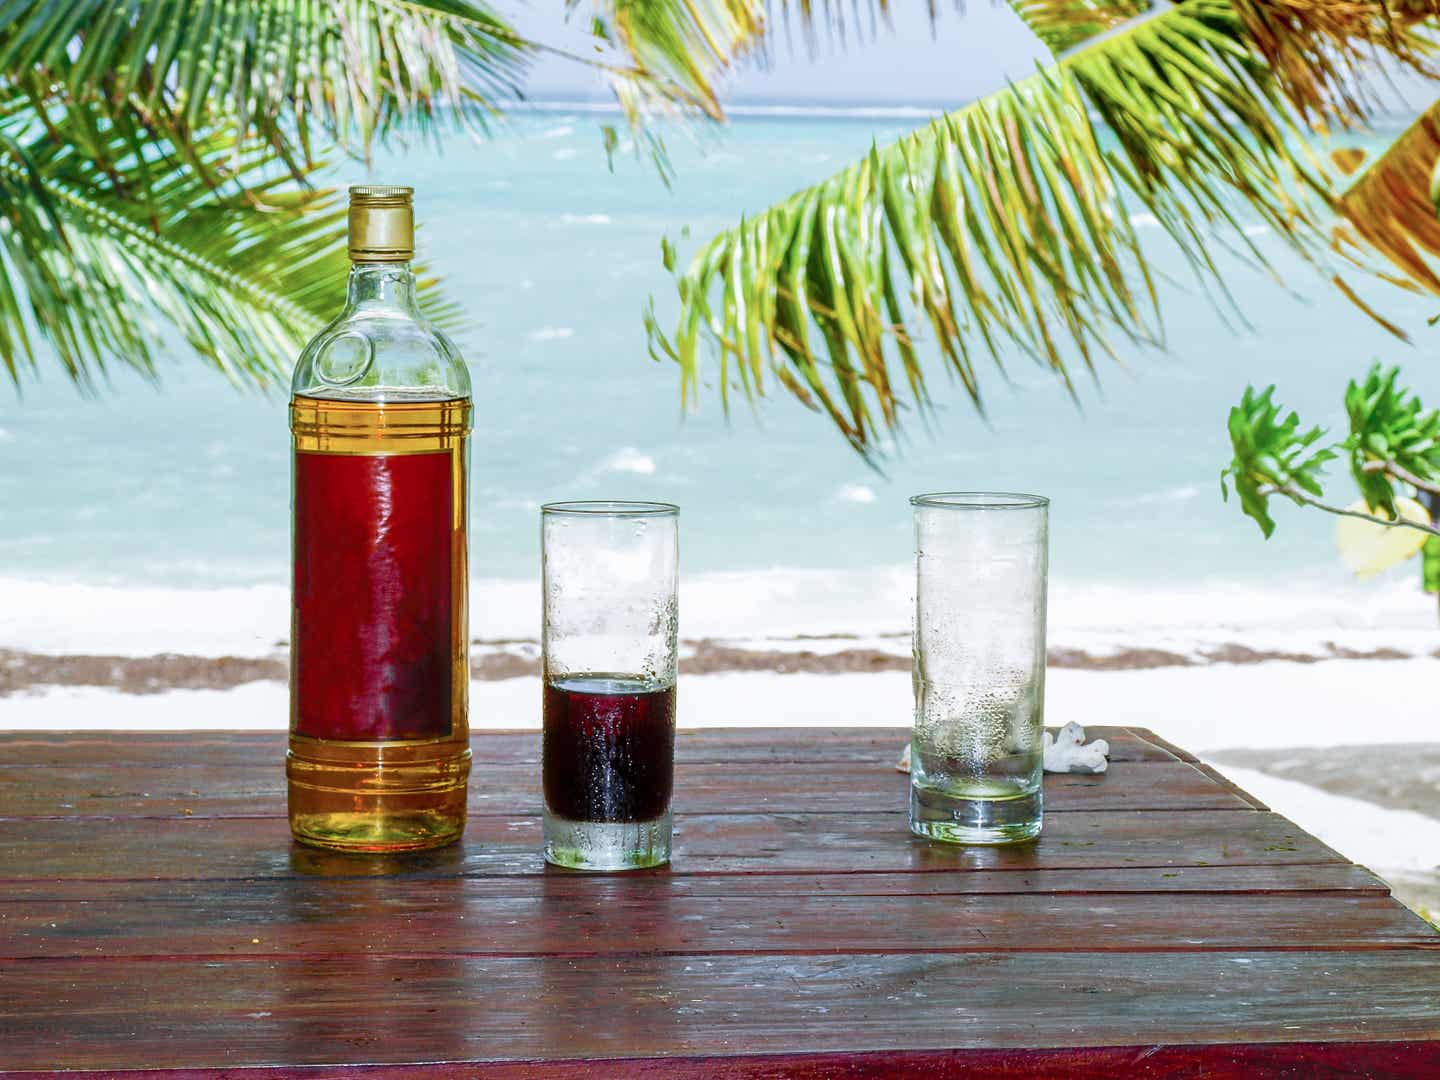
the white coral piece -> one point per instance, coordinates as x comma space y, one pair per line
1068, 752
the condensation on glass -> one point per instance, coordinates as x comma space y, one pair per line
981, 566
380, 416
609, 573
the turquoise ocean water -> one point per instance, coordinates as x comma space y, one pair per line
553, 257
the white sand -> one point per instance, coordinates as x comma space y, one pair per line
754, 606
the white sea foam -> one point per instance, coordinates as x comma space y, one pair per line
856, 493
839, 112
60, 618
585, 219
552, 333
629, 460
565, 153
1256, 230
1099, 618
815, 112
560, 132
6, 435
1144, 221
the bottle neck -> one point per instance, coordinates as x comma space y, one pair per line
381, 287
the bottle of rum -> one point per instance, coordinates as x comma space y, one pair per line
379, 670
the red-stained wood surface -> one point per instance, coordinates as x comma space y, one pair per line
227, 791
208, 848
722, 746
154, 915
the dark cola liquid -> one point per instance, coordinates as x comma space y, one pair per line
609, 748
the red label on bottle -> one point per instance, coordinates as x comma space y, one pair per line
374, 601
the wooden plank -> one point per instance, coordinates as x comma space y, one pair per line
1229, 785
1147, 736
705, 843
1314, 1061
450, 917
108, 1014
1394, 1060
101, 791
170, 749
1343, 878
734, 746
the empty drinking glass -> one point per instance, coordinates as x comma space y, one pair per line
979, 643
608, 759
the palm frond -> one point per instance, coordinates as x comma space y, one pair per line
1389, 209
350, 71
687, 44
671, 55
346, 71
1064, 24
1006, 225
675, 47
108, 249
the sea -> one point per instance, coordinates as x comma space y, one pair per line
155, 517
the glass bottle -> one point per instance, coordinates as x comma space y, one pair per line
380, 415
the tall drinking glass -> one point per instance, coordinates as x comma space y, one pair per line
981, 562
609, 574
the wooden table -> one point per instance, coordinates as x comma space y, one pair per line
154, 913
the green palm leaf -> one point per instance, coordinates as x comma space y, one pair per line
349, 71
1064, 24
1006, 224
110, 246
670, 54
340, 70
680, 47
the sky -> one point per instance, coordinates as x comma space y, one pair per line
912, 63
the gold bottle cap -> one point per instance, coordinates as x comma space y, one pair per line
382, 223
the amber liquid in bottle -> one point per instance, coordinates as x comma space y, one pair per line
379, 744
380, 416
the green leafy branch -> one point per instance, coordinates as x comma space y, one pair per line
1393, 440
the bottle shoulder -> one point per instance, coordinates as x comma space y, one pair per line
378, 355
